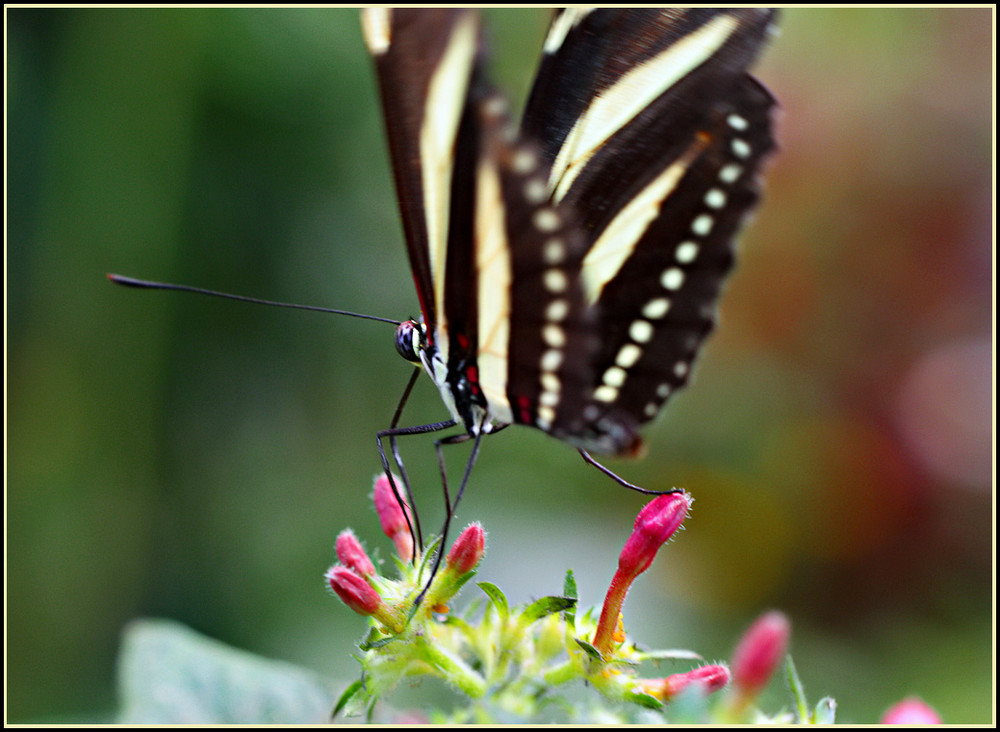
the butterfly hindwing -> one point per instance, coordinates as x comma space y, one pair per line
655, 134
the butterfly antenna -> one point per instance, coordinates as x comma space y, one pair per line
149, 285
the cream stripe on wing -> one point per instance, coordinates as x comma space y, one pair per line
619, 104
562, 25
493, 273
446, 96
618, 239
376, 26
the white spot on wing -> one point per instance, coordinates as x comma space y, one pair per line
656, 308
554, 251
555, 280
628, 355
640, 331
715, 198
605, 393
556, 310
614, 376
546, 220
730, 173
702, 225
686, 252
672, 278
551, 360
618, 239
740, 148
554, 336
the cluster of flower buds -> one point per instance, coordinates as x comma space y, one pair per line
357, 583
510, 653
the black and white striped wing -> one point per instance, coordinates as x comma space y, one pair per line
492, 260
568, 271
654, 134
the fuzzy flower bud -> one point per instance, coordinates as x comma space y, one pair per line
709, 678
656, 523
467, 550
910, 711
356, 593
391, 514
760, 652
352, 555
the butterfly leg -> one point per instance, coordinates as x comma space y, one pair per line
450, 507
618, 479
417, 539
392, 433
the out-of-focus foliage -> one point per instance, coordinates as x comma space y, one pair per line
175, 456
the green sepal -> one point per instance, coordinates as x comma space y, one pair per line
589, 650
643, 699
460, 582
369, 644
798, 691
825, 712
569, 590
346, 697
546, 606
497, 598
669, 654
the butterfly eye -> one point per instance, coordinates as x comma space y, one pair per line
405, 344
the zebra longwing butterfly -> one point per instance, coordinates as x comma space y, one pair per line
568, 268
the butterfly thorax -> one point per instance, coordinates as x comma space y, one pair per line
456, 380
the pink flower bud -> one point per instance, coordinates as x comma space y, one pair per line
352, 555
357, 594
710, 678
467, 550
391, 514
656, 523
761, 649
910, 711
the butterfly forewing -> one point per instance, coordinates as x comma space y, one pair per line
424, 61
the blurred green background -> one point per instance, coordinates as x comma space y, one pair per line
176, 456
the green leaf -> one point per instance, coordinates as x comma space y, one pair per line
546, 606
569, 590
371, 645
670, 654
428, 555
569, 585
460, 582
496, 596
589, 649
346, 697
643, 699
169, 674
798, 691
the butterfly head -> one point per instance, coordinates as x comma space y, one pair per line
411, 339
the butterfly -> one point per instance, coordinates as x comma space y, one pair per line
568, 267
